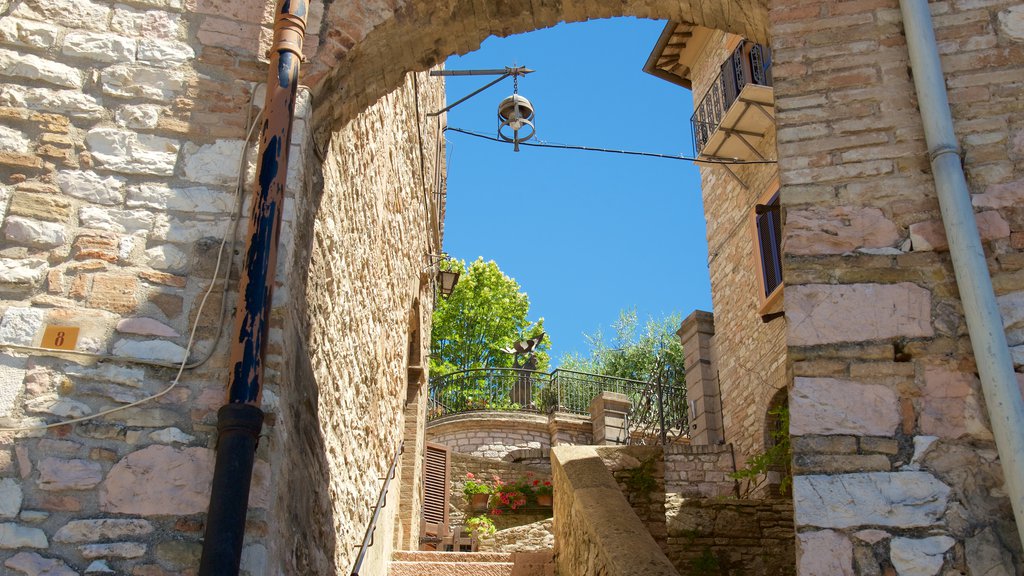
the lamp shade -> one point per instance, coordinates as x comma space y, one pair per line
447, 279
516, 113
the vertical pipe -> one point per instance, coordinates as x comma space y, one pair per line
240, 420
985, 325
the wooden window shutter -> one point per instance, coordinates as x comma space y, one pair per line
769, 238
436, 469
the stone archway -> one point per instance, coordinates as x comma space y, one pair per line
366, 48
874, 321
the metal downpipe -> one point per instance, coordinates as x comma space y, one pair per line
240, 420
984, 323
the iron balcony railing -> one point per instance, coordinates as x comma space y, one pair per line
750, 63
658, 410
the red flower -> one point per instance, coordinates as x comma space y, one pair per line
546, 483
535, 482
470, 475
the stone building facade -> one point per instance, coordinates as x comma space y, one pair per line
124, 123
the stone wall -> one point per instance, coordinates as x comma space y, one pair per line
123, 130
699, 471
122, 138
360, 300
731, 537
596, 528
490, 434
886, 405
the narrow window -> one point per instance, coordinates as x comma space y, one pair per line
768, 239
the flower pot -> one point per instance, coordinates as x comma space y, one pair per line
479, 501
544, 500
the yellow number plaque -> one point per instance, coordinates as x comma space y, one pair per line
60, 337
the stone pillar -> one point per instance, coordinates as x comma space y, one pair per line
608, 412
705, 397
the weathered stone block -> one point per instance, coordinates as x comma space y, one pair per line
40, 207
931, 235
824, 553
131, 153
829, 314
33, 68
828, 406
92, 187
164, 53
34, 232
122, 221
160, 480
838, 230
98, 46
28, 33
901, 499
919, 556
59, 474
115, 292
195, 199
950, 407
77, 531
33, 564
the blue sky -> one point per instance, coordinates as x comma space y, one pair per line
585, 234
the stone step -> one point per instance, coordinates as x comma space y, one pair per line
414, 556
455, 568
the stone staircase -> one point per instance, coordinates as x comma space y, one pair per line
471, 564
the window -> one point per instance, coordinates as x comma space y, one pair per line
768, 236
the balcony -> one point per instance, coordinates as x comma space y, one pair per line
738, 109
655, 407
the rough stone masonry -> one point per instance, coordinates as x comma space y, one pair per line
124, 125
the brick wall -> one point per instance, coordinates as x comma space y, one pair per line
699, 471
749, 354
728, 536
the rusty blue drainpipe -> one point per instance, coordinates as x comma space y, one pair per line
240, 420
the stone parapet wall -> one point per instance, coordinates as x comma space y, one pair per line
596, 528
728, 536
699, 471
490, 434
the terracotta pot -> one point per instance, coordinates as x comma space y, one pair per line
544, 499
479, 501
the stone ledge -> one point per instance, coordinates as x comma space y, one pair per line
594, 517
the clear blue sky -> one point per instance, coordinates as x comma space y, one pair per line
585, 234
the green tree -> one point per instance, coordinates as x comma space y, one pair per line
486, 312
651, 353
634, 352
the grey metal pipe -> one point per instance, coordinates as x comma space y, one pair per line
985, 325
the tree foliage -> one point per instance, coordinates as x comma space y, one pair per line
486, 312
635, 352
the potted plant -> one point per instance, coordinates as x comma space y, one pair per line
477, 493
481, 527
544, 492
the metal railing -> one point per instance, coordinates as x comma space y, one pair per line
750, 63
382, 501
658, 411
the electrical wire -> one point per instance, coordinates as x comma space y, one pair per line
232, 229
542, 144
